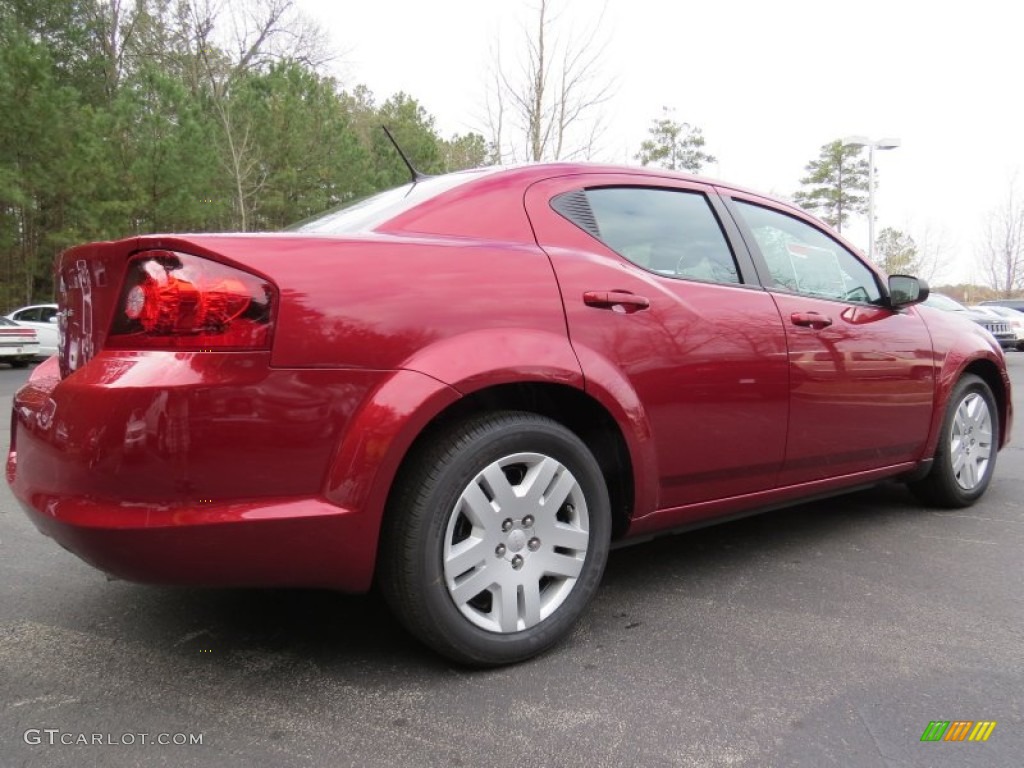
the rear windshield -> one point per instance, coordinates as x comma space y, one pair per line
368, 213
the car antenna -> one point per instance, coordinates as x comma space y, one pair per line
416, 175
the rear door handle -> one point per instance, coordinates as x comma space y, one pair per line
811, 320
624, 301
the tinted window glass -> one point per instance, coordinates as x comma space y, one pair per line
804, 259
670, 232
29, 315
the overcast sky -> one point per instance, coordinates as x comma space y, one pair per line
768, 82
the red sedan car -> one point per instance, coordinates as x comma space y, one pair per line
465, 389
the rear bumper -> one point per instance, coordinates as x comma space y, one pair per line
198, 469
10, 352
298, 542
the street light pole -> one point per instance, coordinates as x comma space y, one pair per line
872, 145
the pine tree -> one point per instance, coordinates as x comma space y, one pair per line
674, 145
836, 184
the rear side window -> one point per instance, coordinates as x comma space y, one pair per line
670, 232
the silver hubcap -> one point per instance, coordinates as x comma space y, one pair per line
516, 542
970, 443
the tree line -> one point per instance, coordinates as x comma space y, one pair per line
131, 116
125, 117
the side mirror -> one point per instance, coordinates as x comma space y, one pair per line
905, 290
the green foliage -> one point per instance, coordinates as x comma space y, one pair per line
166, 161
461, 152
836, 184
896, 253
123, 118
40, 141
309, 154
413, 129
674, 145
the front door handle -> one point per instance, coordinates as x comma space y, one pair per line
811, 320
621, 301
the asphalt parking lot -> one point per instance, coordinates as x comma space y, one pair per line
828, 634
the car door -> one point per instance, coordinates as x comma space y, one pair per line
655, 293
862, 376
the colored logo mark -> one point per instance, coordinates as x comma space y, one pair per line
958, 730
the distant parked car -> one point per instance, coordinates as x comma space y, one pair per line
18, 344
1012, 317
42, 317
1014, 304
991, 322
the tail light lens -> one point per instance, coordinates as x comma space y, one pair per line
178, 301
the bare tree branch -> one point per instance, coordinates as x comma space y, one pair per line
558, 89
264, 31
1002, 253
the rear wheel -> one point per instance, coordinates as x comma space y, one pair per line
966, 455
19, 363
496, 538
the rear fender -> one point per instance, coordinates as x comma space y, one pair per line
379, 436
607, 384
375, 441
478, 360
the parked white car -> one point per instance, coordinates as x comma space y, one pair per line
42, 317
18, 344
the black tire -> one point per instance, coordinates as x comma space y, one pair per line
19, 363
941, 486
430, 508
1020, 346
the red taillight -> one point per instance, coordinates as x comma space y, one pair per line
178, 301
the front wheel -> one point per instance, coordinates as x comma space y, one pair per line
966, 455
496, 537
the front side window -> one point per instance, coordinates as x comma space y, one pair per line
805, 260
670, 232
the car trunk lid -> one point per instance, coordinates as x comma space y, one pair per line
88, 282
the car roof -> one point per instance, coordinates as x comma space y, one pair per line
380, 214
545, 170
